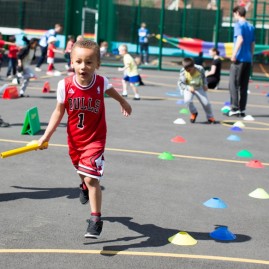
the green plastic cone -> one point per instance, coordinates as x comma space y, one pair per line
244, 154
184, 111
166, 156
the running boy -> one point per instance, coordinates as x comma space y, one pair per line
82, 96
130, 72
192, 82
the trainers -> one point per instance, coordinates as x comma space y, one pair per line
38, 69
50, 73
84, 194
136, 98
94, 229
242, 113
124, 95
211, 120
193, 117
233, 113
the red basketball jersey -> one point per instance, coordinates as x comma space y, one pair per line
50, 52
86, 113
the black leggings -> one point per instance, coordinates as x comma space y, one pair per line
212, 82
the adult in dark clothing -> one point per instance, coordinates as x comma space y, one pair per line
213, 75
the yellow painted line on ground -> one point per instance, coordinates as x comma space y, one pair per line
226, 123
133, 253
147, 153
182, 156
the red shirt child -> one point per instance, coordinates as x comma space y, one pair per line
12, 51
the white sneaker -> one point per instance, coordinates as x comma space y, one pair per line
50, 73
38, 69
57, 73
232, 113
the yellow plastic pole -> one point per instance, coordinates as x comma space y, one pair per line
29, 147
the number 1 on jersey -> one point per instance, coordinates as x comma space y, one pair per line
81, 120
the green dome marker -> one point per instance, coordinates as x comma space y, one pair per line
244, 154
184, 111
166, 156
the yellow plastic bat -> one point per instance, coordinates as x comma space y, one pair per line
33, 145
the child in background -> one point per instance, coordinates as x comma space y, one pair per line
103, 49
69, 45
43, 44
82, 97
80, 38
12, 58
2, 49
213, 75
192, 82
130, 72
25, 57
51, 56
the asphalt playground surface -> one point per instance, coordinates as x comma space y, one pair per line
146, 200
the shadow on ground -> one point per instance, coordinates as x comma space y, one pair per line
40, 193
151, 235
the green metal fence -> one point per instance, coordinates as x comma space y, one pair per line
118, 22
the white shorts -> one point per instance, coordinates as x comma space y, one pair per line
50, 60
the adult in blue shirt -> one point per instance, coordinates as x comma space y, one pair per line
43, 43
143, 35
244, 42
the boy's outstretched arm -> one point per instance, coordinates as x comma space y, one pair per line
55, 120
126, 109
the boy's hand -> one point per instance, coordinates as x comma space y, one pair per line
40, 143
126, 109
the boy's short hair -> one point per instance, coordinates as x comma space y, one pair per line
188, 62
58, 25
123, 46
241, 10
143, 24
88, 44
